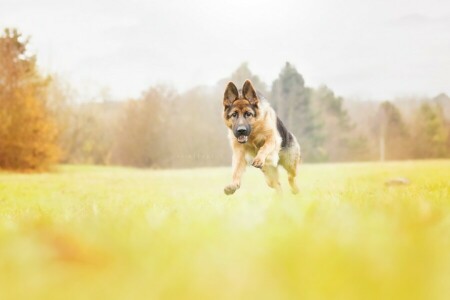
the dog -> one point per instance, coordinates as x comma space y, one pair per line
257, 134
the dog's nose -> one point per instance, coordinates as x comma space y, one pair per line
242, 130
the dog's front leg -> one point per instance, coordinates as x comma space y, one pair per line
238, 166
269, 146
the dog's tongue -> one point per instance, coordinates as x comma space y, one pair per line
242, 139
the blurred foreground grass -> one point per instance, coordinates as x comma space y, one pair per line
117, 233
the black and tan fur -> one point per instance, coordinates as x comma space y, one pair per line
256, 133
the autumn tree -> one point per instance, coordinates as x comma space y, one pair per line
144, 128
198, 134
28, 134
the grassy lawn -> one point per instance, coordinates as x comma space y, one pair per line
87, 232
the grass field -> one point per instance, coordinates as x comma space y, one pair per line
114, 233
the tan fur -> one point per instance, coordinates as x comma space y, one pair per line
264, 142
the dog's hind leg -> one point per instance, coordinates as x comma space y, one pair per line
291, 178
290, 162
271, 174
291, 169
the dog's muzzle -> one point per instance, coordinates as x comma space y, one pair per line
242, 134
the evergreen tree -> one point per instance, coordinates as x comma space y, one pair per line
341, 142
443, 100
391, 131
28, 134
292, 101
240, 75
431, 136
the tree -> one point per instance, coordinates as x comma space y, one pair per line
391, 131
430, 132
443, 100
28, 134
240, 75
292, 101
144, 130
341, 142
199, 113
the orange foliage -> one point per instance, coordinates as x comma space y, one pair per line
27, 132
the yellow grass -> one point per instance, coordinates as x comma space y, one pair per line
117, 233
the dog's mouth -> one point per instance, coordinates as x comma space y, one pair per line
242, 139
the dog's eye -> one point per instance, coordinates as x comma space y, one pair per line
234, 115
248, 114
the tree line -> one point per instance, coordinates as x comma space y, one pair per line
41, 123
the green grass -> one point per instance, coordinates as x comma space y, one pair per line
116, 233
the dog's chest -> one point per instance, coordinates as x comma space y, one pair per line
253, 146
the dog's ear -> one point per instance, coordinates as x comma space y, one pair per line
231, 94
249, 93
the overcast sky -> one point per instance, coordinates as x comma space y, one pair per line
366, 49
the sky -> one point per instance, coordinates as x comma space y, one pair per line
361, 49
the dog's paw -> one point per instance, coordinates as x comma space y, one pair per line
258, 162
230, 189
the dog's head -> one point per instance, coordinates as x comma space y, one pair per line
240, 110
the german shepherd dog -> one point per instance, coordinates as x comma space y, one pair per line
257, 134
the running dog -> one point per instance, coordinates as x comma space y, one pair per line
257, 134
